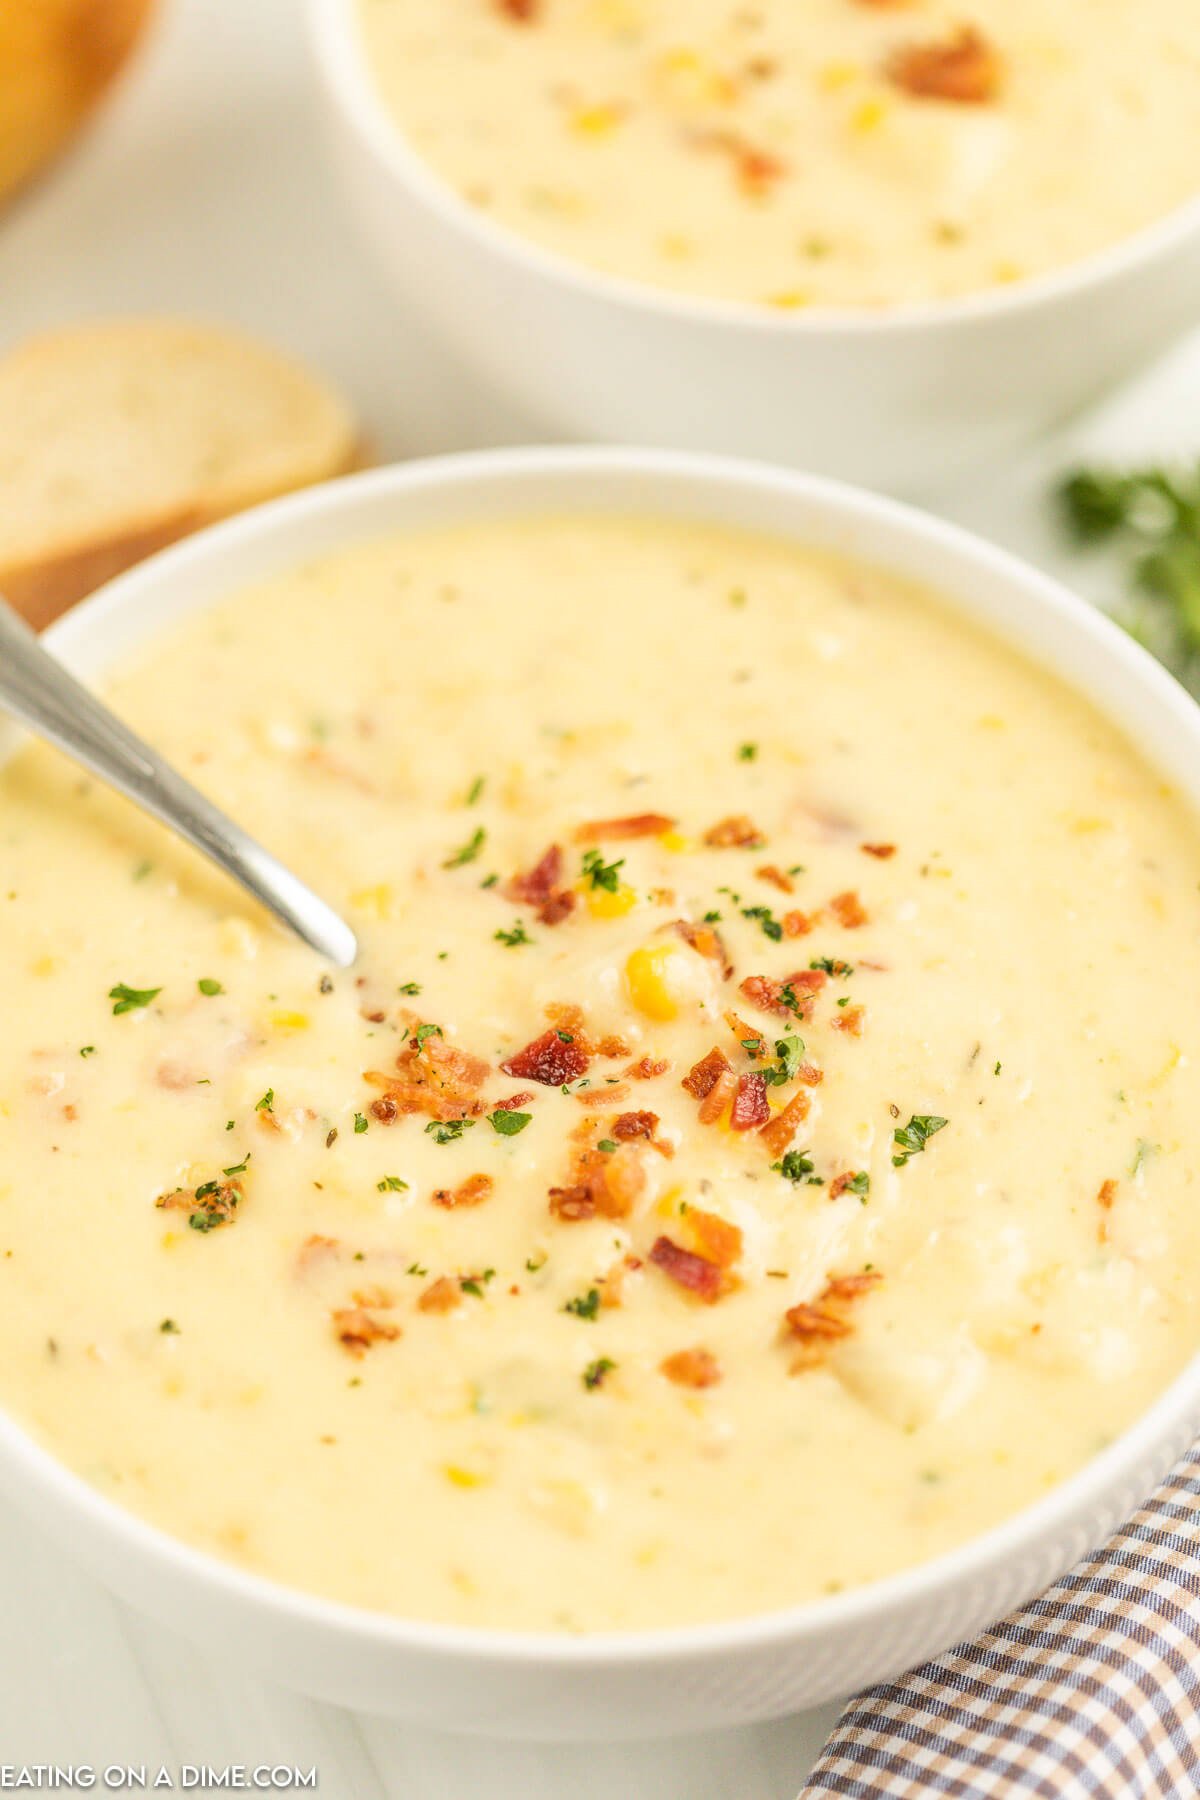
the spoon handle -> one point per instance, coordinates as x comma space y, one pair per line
36, 689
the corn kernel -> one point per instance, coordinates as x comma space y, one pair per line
837, 75
657, 979
675, 842
374, 902
869, 114
595, 121
603, 905
463, 1478
290, 1021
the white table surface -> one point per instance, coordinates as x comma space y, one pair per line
204, 189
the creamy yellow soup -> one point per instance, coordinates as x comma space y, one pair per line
755, 1151
803, 152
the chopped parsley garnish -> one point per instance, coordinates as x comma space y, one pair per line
713, 917
607, 1145
426, 1031
129, 999
584, 1306
143, 869
593, 1375
507, 1122
207, 1219
795, 1166
601, 874
831, 965
475, 791
237, 1169
789, 1050
416, 1269
88, 1050
747, 752
169, 1327
913, 1137
766, 918
489, 881
208, 986
466, 853
360, 1124
409, 987
391, 1184
475, 1284
446, 1131
1153, 515
859, 1184
534, 1263
267, 1103
518, 935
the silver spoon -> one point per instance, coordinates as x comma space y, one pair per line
37, 690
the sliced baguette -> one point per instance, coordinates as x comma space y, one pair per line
117, 438
57, 58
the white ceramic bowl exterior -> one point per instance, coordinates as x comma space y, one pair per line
896, 399
627, 1685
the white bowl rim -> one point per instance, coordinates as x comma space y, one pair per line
342, 63
1178, 1404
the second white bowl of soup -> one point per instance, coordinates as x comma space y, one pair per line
880, 241
732, 1233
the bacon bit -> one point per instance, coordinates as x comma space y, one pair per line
513, 1102
695, 1273
798, 924
521, 12
756, 170
881, 851
542, 887
840, 1183
779, 1131
964, 69
442, 1296
315, 1251
714, 1104
647, 1068
774, 874
735, 833
215, 1202
635, 825
818, 1323
356, 1329
705, 942
1107, 1194
849, 910
549, 1060
842, 1288
764, 991
692, 1368
612, 1046
558, 907
612, 1285
434, 1077
635, 1125
602, 1184
702, 1078
814, 1320
850, 1020
753, 1042
470, 1192
716, 1239
809, 1075
750, 1105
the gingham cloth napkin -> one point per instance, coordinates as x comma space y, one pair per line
1093, 1690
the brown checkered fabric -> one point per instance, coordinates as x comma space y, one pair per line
1091, 1692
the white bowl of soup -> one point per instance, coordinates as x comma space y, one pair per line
732, 1235
877, 241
